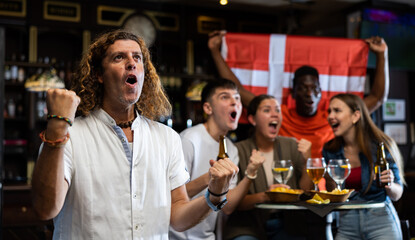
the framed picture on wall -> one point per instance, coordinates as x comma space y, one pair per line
394, 110
397, 131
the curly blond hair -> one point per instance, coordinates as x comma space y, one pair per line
153, 102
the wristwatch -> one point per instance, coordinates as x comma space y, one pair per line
217, 207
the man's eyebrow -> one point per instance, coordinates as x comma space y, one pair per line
224, 92
126, 52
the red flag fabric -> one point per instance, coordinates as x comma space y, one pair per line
265, 63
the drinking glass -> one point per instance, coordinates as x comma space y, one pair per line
339, 170
316, 167
282, 170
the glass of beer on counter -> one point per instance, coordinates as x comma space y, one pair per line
316, 167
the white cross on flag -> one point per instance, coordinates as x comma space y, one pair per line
265, 63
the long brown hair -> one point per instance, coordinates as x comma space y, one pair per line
366, 133
153, 102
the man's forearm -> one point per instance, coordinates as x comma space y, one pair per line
197, 185
48, 184
378, 91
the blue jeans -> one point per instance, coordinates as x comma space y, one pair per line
275, 230
245, 237
370, 224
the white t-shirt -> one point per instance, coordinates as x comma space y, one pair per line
115, 192
198, 148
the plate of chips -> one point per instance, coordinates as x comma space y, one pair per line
334, 196
281, 194
318, 200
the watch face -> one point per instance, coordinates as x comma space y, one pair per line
143, 27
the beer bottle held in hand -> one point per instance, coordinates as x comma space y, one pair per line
381, 164
223, 152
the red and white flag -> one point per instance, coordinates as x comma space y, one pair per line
265, 63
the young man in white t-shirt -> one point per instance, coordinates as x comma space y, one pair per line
222, 105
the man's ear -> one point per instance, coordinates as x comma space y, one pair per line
251, 120
292, 92
207, 108
99, 77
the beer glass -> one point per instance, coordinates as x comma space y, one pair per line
316, 167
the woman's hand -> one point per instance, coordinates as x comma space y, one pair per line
387, 177
304, 147
393, 189
255, 161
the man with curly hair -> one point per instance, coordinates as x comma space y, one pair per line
116, 173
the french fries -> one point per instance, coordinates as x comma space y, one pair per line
286, 190
337, 191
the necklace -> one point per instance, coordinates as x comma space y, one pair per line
125, 124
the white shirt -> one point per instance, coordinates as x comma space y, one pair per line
116, 193
198, 148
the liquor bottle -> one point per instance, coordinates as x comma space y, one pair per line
381, 164
223, 152
11, 108
21, 75
14, 70
7, 73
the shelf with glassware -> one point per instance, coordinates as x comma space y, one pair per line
24, 115
184, 92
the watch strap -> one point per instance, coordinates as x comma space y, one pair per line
212, 206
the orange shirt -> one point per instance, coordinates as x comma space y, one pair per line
315, 129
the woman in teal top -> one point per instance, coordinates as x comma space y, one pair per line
356, 137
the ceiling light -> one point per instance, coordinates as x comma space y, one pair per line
223, 2
44, 81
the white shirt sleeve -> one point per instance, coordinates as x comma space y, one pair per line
178, 172
189, 153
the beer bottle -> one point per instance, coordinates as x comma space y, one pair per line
222, 148
381, 164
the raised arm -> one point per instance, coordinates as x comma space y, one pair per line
184, 213
237, 194
380, 87
214, 44
48, 184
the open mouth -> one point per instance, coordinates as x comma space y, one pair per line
131, 79
233, 115
309, 103
335, 125
273, 124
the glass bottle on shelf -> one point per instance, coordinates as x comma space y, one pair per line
14, 72
7, 73
21, 75
41, 110
11, 108
19, 106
